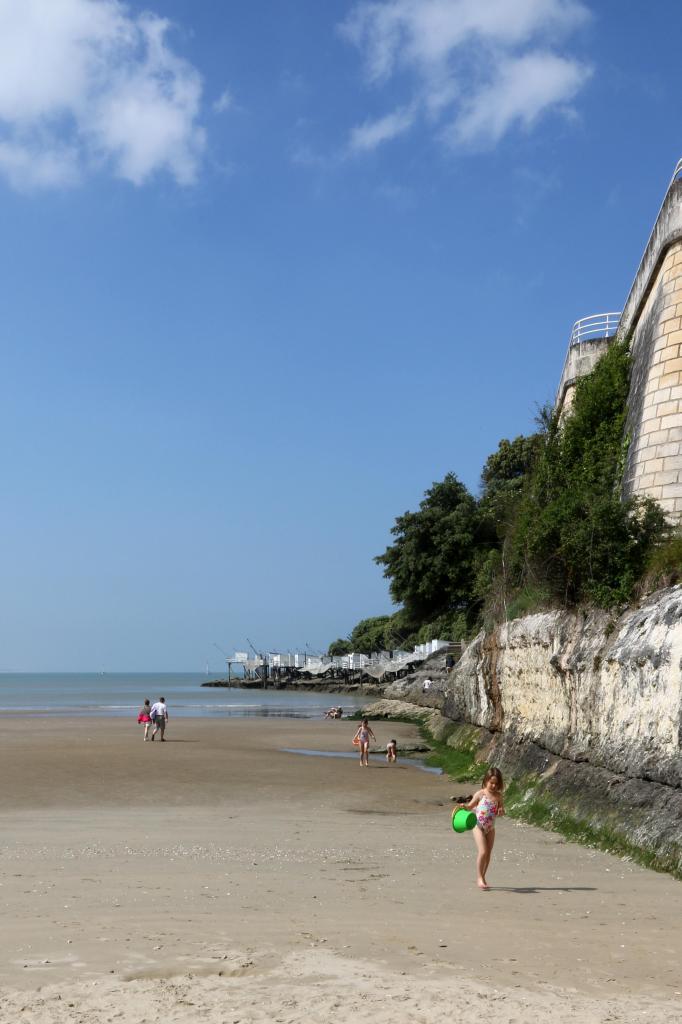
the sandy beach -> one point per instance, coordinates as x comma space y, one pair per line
218, 878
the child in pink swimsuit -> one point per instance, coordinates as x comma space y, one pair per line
361, 739
488, 805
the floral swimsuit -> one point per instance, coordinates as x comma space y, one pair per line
486, 812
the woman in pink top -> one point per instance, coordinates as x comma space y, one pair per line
145, 718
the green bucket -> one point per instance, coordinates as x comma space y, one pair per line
463, 820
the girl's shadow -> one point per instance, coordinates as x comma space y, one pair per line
529, 889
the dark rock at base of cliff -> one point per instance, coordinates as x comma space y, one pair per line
636, 813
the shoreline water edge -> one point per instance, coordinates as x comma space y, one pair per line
121, 694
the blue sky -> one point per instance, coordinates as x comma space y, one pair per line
271, 269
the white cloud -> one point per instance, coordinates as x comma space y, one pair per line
480, 67
49, 168
224, 102
371, 134
86, 84
523, 89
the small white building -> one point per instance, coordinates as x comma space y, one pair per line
282, 660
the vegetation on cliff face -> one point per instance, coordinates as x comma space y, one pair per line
369, 635
571, 535
664, 566
549, 528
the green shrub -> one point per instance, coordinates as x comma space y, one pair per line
572, 534
664, 567
527, 601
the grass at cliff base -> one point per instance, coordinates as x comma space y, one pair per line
525, 800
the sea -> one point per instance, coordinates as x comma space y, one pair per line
121, 694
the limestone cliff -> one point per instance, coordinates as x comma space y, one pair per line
584, 709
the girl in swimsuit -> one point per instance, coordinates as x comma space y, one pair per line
488, 805
363, 736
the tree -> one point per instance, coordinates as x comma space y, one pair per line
369, 635
504, 475
339, 647
431, 563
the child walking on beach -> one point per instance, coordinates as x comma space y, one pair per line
392, 751
488, 804
361, 739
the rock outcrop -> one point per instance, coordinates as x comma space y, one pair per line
584, 710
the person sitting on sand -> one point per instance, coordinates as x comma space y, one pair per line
392, 751
159, 715
332, 713
145, 718
363, 736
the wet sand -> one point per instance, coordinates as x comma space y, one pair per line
216, 877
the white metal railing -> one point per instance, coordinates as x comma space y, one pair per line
599, 325
586, 330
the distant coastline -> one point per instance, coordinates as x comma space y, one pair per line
366, 686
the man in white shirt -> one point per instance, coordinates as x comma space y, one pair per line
159, 716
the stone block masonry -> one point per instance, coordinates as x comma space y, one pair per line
652, 319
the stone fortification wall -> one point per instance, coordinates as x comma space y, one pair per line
654, 424
652, 319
